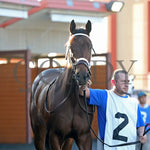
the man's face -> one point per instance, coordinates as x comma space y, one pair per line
122, 84
142, 100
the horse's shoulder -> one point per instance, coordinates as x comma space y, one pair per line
47, 77
52, 72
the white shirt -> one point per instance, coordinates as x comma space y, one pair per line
121, 120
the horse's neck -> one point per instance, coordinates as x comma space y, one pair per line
67, 76
65, 82
64, 77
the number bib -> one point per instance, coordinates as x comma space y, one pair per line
121, 116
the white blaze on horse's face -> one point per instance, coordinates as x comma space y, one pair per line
79, 53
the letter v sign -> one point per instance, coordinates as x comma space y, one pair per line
122, 66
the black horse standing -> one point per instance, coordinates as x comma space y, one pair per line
57, 110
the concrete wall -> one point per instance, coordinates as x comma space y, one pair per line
132, 39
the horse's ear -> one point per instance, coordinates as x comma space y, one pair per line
88, 27
72, 27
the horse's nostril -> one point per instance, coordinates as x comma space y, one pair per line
78, 75
86, 76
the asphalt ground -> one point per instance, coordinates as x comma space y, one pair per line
31, 146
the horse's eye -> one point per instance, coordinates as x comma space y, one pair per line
73, 60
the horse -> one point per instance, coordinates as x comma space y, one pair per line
57, 110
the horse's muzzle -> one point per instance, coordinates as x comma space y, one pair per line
82, 71
82, 78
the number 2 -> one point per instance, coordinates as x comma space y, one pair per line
116, 131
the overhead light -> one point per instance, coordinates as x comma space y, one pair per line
52, 54
114, 6
77, 18
13, 13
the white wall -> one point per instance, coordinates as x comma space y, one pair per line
52, 38
44, 36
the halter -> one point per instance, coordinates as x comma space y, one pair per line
83, 35
84, 62
68, 52
76, 62
76, 34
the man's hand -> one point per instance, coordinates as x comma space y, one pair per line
140, 130
85, 87
89, 82
143, 139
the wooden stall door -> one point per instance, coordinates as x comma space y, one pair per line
14, 118
98, 82
12, 103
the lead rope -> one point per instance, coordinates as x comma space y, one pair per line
145, 132
125, 144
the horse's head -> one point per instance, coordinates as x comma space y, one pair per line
79, 52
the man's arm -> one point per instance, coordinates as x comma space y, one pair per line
140, 132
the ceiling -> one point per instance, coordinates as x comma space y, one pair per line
39, 12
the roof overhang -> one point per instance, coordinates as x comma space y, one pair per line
81, 8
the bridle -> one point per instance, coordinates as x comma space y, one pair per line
75, 63
83, 61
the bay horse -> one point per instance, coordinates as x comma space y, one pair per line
57, 111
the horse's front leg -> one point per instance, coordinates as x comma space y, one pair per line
67, 144
55, 142
39, 137
84, 142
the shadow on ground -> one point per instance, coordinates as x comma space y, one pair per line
31, 146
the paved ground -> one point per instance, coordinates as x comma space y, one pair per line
31, 146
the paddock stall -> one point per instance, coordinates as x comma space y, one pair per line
16, 77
